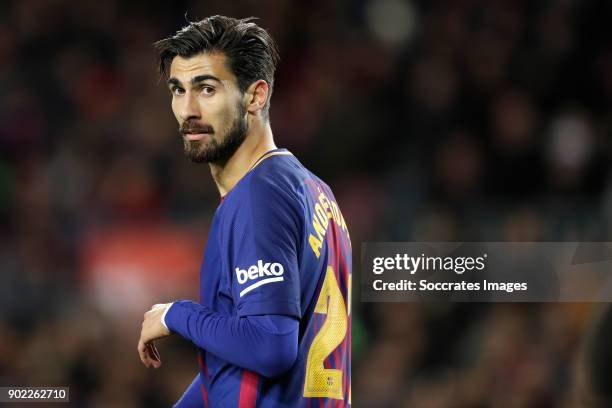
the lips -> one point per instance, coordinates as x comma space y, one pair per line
195, 134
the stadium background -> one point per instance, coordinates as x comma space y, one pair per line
431, 120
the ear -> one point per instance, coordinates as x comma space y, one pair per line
257, 95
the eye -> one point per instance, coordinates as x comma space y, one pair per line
176, 90
208, 90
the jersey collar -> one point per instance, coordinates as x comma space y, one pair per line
275, 152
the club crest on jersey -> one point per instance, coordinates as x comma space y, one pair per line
272, 271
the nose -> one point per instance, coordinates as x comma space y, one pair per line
188, 107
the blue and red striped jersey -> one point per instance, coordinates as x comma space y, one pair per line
279, 245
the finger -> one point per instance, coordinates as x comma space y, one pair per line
142, 353
154, 351
145, 335
153, 355
146, 355
150, 357
151, 360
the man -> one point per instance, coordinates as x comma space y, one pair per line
273, 322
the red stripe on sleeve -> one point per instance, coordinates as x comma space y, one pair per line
204, 395
248, 389
203, 366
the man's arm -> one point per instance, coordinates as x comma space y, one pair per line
266, 344
263, 336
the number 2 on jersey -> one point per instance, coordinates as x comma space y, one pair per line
321, 381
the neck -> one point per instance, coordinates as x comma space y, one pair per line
258, 141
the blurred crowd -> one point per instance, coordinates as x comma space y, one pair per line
468, 120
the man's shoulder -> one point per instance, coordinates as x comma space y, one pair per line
279, 173
280, 179
271, 193
287, 177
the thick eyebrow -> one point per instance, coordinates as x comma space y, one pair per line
194, 81
201, 78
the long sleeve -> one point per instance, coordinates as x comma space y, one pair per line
266, 344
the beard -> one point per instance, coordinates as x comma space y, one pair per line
213, 151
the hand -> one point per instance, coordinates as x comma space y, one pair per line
152, 329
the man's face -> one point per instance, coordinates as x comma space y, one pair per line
208, 106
